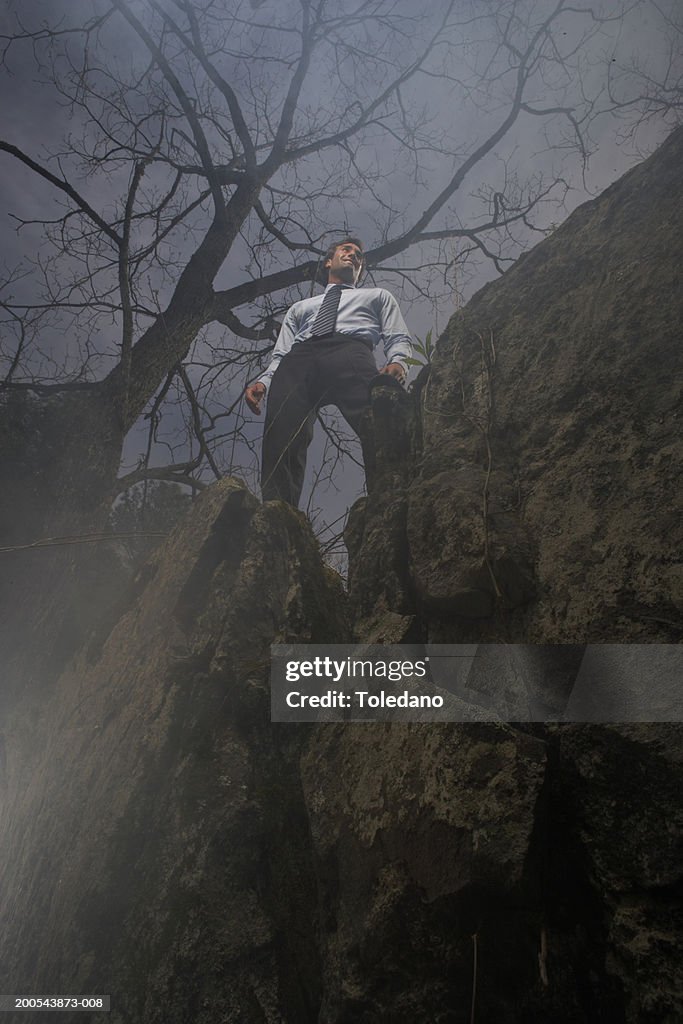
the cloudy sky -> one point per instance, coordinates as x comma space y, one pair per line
457, 99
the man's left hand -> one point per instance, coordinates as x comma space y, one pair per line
396, 371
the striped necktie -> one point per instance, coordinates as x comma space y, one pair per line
327, 314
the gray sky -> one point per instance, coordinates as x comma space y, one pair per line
444, 105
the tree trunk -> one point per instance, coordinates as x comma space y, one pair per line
59, 455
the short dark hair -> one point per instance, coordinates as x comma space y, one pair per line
341, 241
331, 249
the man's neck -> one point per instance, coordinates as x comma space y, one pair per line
333, 279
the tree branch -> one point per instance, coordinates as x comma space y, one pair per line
65, 187
184, 101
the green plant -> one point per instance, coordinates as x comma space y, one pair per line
423, 348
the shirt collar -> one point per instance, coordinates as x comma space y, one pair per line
351, 286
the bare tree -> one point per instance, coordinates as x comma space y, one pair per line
644, 87
213, 147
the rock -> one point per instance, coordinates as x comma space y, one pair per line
376, 531
421, 839
622, 786
155, 847
482, 557
551, 441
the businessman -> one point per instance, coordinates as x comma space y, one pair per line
324, 356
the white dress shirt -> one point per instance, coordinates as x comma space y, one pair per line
368, 313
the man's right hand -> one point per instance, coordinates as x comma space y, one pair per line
254, 395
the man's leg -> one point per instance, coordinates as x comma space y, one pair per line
348, 375
290, 418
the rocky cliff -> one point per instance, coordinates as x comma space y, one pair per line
165, 843
544, 505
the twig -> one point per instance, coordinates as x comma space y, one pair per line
474, 976
488, 360
84, 538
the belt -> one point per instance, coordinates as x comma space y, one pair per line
336, 336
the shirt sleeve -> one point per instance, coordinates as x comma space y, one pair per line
397, 342
285, 340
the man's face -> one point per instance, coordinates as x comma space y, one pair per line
345, 265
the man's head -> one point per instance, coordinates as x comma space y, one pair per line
344, 260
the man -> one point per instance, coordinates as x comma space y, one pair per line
323, 356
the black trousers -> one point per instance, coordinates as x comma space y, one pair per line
336, 370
